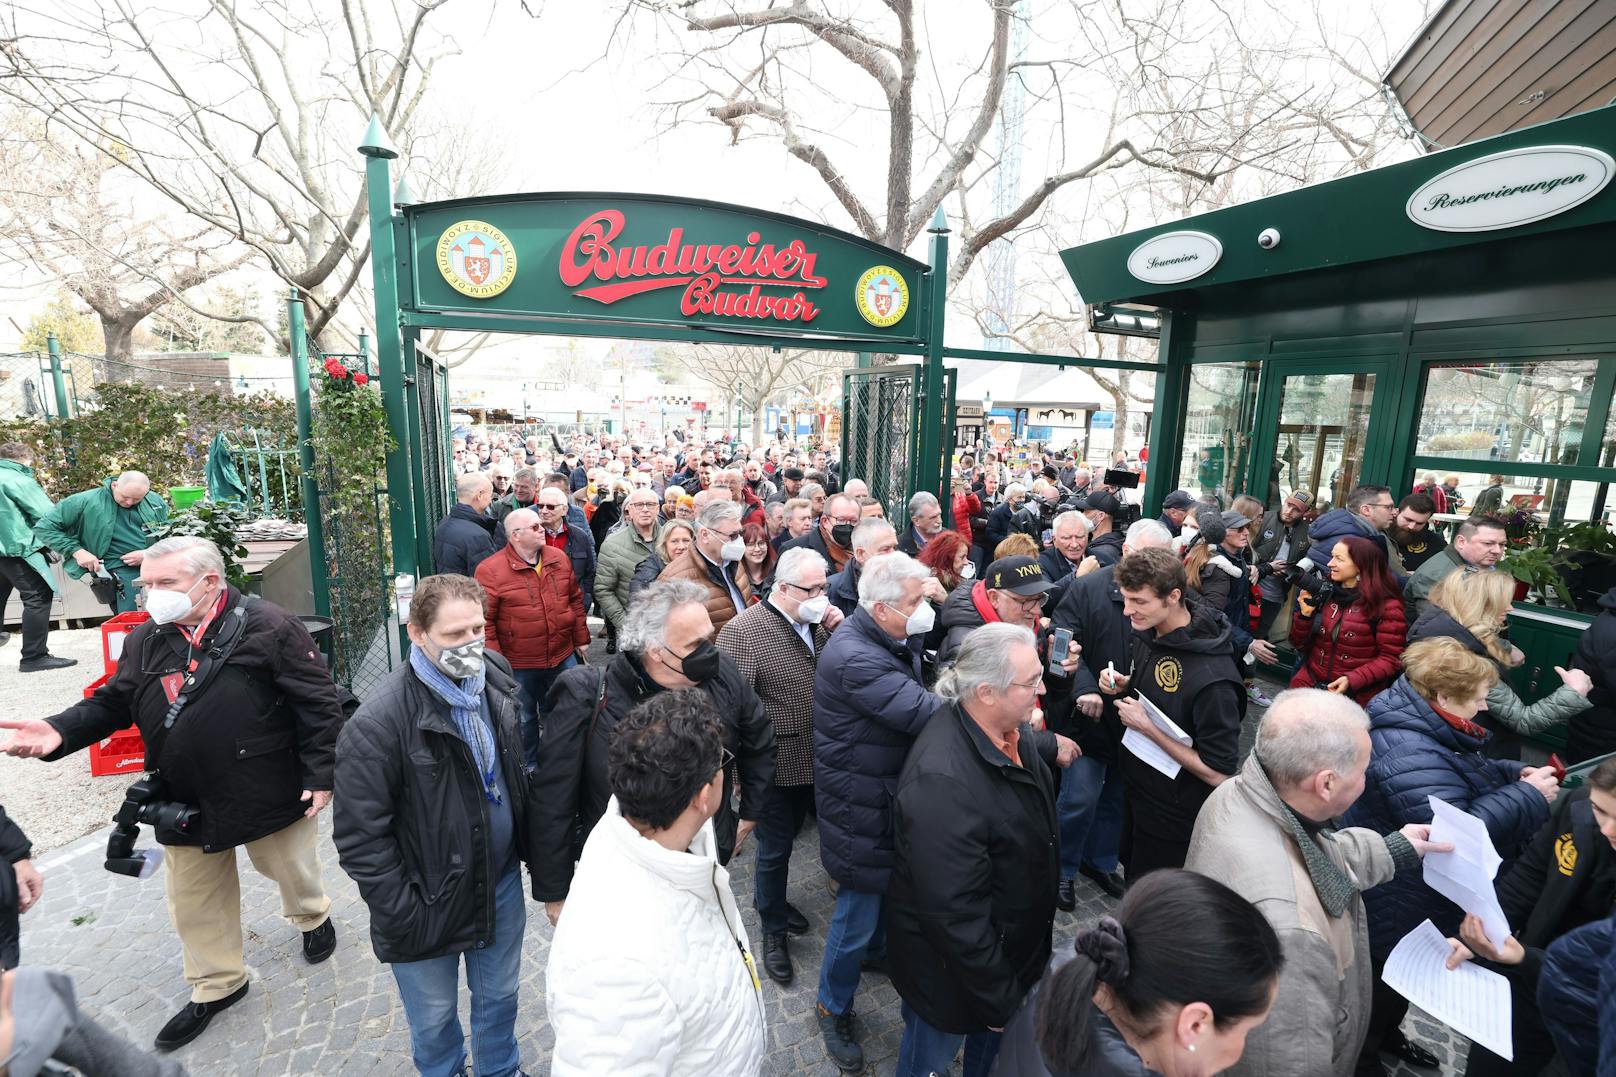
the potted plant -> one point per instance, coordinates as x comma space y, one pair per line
1588, 555
1537, 567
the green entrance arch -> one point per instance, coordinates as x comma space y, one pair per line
649, 267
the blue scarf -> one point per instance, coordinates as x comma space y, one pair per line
465, 700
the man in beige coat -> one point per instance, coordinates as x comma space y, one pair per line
1267, 834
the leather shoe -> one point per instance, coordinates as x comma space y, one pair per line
1109, 881
319, 943
777, 958
192, 1021
1412, 1053
837, 1030
44, 662
796, 922
1066, 896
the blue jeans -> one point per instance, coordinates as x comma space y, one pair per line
784, 809
535, 685
857, 930
430, 990
1090, 811
925, 1051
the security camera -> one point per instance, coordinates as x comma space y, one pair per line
1268, 238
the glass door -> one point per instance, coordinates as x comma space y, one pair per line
1318, 428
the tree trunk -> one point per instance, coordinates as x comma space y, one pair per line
119, 334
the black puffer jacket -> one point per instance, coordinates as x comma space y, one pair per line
972, 894
14, 846
957, 618
571, 775
411, 824
263, 729
1593, 732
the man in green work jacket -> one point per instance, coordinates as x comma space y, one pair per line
106, 527
22, 559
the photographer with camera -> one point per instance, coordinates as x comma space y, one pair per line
1349, 628
240, 719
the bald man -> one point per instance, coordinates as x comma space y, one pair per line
105, 531
466, 536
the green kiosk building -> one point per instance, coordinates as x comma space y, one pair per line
1453, 315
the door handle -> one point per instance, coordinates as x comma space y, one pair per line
1531, 685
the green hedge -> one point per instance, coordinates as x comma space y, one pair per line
164, 432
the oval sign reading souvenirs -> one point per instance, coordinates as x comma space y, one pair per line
1505, 190
1174, 257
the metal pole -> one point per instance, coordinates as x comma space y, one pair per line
364, 353
927, 472
319, 570
58, 384
378, 150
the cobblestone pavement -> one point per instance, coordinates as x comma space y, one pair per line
343, 1017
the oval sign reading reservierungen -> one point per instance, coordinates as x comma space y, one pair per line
1509, 189
1174, 257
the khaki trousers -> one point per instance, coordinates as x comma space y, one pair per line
204, 902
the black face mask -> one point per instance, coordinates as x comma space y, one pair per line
701, 664
842, 535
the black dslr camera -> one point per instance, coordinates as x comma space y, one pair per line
143, 802
1303, 576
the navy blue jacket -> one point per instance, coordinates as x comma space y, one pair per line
1339, 524
581, 552
842, 588
1417, 754
1576, 994
869, 705
463, 539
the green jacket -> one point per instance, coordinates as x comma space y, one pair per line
22, 504
84, 522
620, 555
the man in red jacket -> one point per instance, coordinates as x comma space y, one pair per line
533, 615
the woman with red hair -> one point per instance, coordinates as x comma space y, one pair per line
1350, 633
758, 561
948, 555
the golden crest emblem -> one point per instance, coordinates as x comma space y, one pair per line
1565, 854
476, 259
1169, 674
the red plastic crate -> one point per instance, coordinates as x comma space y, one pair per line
123, 752
113, 632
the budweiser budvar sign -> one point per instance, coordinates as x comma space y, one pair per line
738, 280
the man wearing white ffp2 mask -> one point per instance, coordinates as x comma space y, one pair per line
714, 561
776, 646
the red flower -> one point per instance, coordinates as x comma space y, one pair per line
361, 379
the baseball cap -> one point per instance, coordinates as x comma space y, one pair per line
1301, 497
1232, 519
1178, 499
1018, 575
1104, 501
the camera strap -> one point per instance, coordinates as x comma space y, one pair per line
214, 658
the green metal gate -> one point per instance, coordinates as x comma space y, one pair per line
881, 432
428, 397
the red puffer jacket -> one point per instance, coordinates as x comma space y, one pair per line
1345, 643
534, 619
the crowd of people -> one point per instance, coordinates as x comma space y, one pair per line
1024, 687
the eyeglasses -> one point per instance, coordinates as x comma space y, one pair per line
725, 535
545, 506
811, 592
1029, 685
534, 527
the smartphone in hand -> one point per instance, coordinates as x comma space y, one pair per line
1060, 644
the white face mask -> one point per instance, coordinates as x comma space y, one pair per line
810, 611
167, 607
968, 571
921, 621
733, 550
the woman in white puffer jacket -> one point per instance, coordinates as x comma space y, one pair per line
650, 971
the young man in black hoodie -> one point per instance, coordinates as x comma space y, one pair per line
1181, 663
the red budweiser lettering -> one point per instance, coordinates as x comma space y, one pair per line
700, 268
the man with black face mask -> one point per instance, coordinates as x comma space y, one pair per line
833, 538
665, 643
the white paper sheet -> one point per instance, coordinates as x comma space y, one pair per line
1471, 1000
1147, 749
1465, 876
